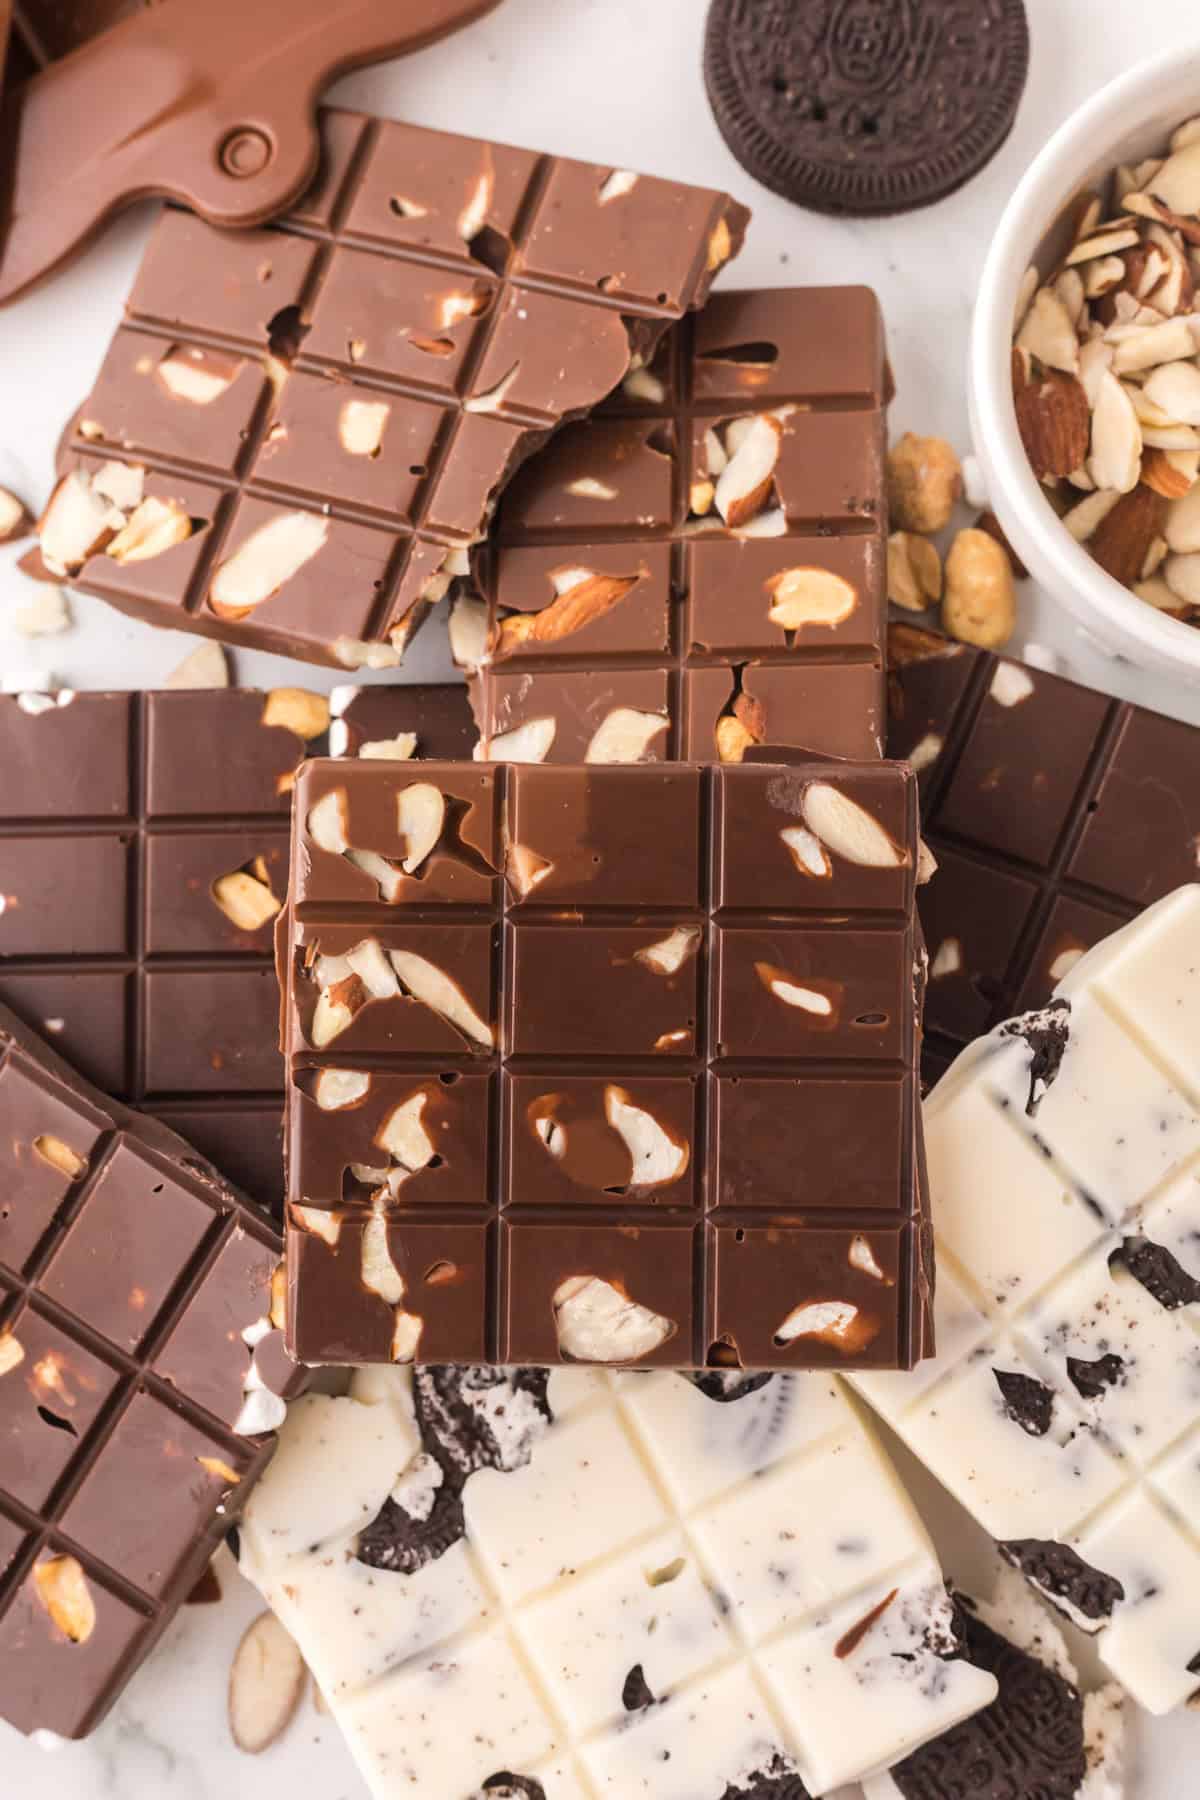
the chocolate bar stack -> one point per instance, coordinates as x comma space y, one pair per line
572, 1032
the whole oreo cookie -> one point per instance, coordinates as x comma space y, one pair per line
865, 106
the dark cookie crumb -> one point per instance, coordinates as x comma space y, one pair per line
1046, 1035
1061, 1574
1028, 1402
1093, 1379
1164, 1278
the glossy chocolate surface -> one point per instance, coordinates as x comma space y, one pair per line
118, 814
140, 1377
429, 312
1056, 814
609, 1024
613, 580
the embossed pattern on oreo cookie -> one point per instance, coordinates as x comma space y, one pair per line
865, 106
1040, 1739
1063, 1408
298, 430
649, 1593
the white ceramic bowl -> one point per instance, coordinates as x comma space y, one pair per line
1126, 121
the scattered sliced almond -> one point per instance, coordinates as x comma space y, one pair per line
624, 736
15, 517
298, 710
807, 596
1171, 473
266, 1685
1123, 537
265, 562
204, 667
63, 1590
1048, 332
11, 1353
914, 571
1182, 529
46, 615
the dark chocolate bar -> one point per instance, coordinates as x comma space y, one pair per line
326, 411
1056, 814
143, 855
701, 568
141, 1379
604, 1064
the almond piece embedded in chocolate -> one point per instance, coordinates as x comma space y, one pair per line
584, 601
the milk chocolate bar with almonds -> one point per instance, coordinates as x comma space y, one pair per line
142, 1376
604, 1064
699, 567
297, 431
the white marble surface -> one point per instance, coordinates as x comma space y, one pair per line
616, 81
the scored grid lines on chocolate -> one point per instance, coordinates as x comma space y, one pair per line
694, 1080
741, 1642
1095, 814
356, 149
133, 1370
745, 354
212, 1068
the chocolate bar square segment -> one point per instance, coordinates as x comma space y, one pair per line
1055, 814
143, 861
56, 1683
141, 1380
48, 1405
372, 369
723, 526
555, 1017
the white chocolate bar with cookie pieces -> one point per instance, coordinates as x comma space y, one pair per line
648, 1589
1063, 1408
